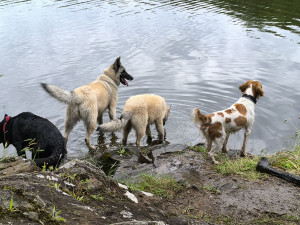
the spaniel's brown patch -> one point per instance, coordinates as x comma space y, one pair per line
229, 111
240, 121
227, 120
212, 131
220, 114
241, 108
209, 117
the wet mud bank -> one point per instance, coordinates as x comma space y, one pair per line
80, 192
207, 195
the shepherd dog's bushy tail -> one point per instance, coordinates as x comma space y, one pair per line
117, 124
199, 117
60, 94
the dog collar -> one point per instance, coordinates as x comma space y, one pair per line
6, 137
250, 97
6, 120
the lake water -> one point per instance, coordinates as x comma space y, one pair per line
193, 53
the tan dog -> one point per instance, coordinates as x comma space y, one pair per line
88, 102
217, 127
139, 113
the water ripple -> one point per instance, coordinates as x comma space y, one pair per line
193, 53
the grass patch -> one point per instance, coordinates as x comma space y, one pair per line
245, 167
277, 220
210, 189
163, 186
198, 148
288, 161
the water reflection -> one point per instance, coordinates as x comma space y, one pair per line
274, 17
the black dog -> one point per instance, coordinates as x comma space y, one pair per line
31, 132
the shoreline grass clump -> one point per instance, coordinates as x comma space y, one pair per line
245, 167
287, 160
160, 185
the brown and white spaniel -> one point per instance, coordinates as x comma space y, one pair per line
217, 126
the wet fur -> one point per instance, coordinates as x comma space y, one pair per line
49, 147
139, 113
89, 102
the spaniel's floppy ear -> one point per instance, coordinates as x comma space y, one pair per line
244, 86
258, 89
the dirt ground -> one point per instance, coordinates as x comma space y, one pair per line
214, 198
80, 193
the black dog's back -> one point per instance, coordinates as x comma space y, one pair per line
37, 134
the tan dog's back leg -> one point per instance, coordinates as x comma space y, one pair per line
140, 132
126, 130
148, 131
160, 129
90, 127
72, 118
139, 123
90, 120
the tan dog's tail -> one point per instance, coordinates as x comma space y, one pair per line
117, 124
59, 93
199, 117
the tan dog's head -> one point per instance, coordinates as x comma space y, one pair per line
167, 114
253, 88
120, 72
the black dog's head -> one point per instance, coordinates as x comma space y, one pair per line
121, 72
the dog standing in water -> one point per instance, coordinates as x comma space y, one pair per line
139, 113
89, 102
217, 126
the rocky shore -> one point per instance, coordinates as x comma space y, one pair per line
79, 192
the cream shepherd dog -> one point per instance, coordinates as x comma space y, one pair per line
139, 113
89, 102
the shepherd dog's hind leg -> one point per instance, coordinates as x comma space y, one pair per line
126, 130
72, 118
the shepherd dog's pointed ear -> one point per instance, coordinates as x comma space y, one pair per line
117, 64
5, 116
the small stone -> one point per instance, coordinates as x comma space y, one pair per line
32, 215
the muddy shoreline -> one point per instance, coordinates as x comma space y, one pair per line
83, 194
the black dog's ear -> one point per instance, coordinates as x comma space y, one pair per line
5, 116
117, 64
